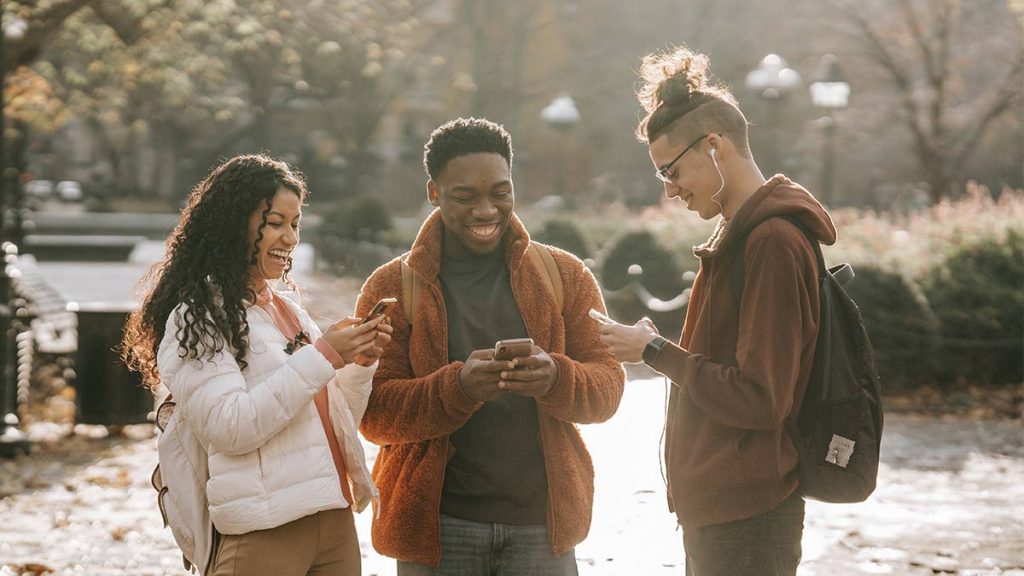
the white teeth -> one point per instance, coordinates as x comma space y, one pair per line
279, 255
484, 231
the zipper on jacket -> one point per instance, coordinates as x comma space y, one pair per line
436, 291
540, 431
547, 475
440, 494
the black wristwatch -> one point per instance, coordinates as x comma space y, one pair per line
652, 350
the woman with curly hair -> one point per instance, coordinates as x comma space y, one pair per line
260, 463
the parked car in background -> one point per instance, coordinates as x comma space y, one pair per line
69, 191
39, 189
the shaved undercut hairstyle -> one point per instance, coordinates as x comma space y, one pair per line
682, 103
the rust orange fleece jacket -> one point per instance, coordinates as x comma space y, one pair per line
416, 400
739, 373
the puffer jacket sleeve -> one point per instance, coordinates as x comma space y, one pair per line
218, 404
353, 381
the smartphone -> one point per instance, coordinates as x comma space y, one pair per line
514, 348
382, 307
601, 318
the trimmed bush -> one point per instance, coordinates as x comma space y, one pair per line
352, 238
355, 258
978, 295
902, 328
361, 218
661, 276
566, 235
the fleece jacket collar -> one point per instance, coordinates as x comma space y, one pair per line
425, 256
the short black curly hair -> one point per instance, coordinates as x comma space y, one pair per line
464, 136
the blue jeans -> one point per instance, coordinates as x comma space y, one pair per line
476, 549
765, 545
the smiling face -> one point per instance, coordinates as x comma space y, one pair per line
693, 178
475, 195
275, 240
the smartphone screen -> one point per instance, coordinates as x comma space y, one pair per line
383, 306
516, 348
601, 318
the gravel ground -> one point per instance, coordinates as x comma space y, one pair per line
948, 502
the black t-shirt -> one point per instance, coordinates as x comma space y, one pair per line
497, 473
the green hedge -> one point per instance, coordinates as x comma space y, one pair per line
902, 328
361, 218
353, 238
978, 295
566, 235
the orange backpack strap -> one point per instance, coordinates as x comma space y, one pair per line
544, 261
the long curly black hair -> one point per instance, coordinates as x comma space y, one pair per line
207, 266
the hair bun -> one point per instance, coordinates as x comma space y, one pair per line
685, 74
674, 83
672, 78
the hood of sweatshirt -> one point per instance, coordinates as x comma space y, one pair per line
778, 196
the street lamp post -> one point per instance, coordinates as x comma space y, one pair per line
773, 78
12, 439
562, 115
772, 81
829, 91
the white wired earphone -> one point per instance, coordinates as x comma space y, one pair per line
714, 197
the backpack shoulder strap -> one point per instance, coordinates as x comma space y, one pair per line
542, 259
812, 239
738, 277
411, 287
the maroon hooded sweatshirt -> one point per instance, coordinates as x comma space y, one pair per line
739, 372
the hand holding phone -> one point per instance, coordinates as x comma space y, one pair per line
479, 375
533, 371
350, 338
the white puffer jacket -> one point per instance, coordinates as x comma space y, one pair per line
267, 458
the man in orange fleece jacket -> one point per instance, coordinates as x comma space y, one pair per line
740, 369
482, 469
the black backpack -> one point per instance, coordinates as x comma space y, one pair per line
838, 431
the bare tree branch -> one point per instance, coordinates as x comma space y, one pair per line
883, 55
942, 149
1008, 93
917, 33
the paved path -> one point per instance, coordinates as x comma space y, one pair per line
949, 502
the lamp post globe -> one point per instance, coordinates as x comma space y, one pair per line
773, 78
562, 115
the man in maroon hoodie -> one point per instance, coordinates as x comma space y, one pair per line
740, 370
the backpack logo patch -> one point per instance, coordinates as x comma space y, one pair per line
839, 451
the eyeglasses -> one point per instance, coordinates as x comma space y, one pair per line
662, 173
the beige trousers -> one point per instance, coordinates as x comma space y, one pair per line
321, 544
